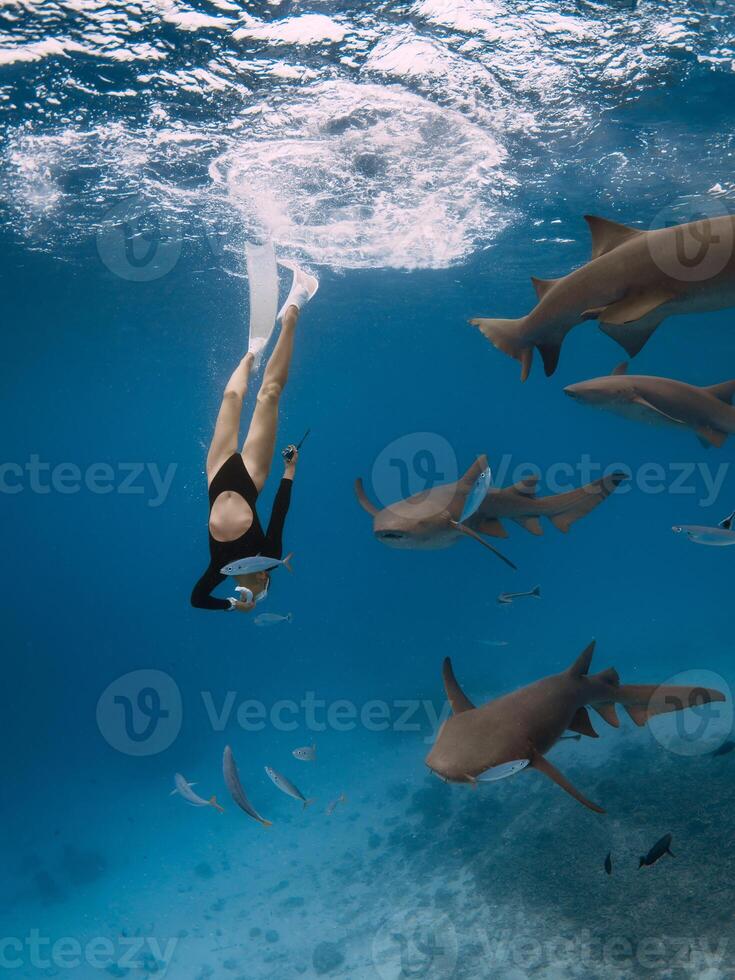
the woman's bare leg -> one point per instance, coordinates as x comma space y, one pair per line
260, 444
227, 427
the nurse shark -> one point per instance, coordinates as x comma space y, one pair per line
707, 411
634, 280
439, 517
514, 732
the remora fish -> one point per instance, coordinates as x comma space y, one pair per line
717, 537
258, 563
658, 850
184, 789
507, 597
232, 779
305, 754
286, 786
515, 732
272, 619
634, 280
707, 411
431, 520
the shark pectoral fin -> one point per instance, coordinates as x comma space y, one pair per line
632, 337
491, 526
463, 529
458, 700
581, 724
543, 765
607, 713
644, 403
532, 524
635, 306
607, 235
710, 437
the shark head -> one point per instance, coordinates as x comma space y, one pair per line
474, 744
426, 520
615, 389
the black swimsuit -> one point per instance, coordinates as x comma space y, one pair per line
233, 475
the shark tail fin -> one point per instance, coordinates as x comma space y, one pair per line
645, 701
536, 593
287, 561
309, 802
576, 504
641, 862
213, 802
505, 335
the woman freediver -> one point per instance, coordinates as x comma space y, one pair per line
235, 479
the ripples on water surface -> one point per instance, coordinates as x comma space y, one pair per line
360, 135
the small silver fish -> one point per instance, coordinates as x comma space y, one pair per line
184, 789
305, 754
718, 537
494, 643
258, 563
331, 807
270, 619
286, 786
232, 779
505, 598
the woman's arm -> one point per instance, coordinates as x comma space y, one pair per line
201, 596
273, 546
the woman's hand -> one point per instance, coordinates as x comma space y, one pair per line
289, 468
240, 606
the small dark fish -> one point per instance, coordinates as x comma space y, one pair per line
658, 850
724, 748
608, 863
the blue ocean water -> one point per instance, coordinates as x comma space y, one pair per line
424, 160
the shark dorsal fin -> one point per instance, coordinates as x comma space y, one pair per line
458, 700
723, 391
581, 665
542, 286
620, 369
726, 525
527, 487
607, 235
363, 500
